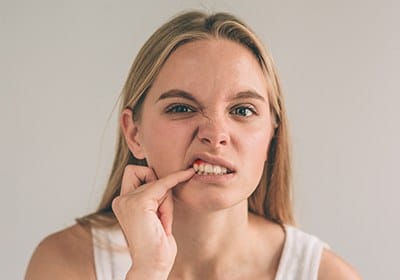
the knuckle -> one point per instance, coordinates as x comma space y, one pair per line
130, 201
115, 202
129, 168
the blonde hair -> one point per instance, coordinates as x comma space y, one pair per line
272, 197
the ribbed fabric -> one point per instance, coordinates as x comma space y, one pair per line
300, 258
111, 256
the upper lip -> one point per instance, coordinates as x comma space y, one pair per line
215, 160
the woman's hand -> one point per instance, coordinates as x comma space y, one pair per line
144, 210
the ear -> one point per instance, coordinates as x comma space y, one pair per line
130, 129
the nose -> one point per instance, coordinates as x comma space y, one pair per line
213, 132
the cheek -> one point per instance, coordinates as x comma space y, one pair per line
255, 149
165, 145
256, 142
262, 142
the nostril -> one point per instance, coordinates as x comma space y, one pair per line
205, 140
213, 133
214, 142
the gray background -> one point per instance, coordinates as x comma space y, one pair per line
63, 64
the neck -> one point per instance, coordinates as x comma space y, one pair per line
213, 240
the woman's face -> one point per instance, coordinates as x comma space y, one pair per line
208, 104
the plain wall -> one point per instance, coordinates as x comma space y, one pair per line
63, 64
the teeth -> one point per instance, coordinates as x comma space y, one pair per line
217, 169
209, 169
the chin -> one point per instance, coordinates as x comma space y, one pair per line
206, 198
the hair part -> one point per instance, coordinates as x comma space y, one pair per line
272, 198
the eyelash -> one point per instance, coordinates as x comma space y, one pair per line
173, 109
245, 107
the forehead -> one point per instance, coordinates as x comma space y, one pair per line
212, 65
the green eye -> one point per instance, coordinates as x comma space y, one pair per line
243, 111
179, 108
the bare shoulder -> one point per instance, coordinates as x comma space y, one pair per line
66, 254
333, 267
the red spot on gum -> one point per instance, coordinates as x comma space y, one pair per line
198, 161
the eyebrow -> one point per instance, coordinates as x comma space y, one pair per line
177, 93
248, 94
183, 94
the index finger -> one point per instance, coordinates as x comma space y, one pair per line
160, 187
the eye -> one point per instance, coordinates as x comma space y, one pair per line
243, 111
179, 108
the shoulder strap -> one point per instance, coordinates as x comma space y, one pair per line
300, 257
111, 255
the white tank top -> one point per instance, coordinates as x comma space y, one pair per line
299, 260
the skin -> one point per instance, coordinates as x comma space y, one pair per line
183, 227
212, 126
218, 120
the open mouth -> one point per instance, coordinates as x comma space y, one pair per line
203, 168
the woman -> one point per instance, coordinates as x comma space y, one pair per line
200, 185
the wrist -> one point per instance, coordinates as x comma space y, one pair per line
150, 274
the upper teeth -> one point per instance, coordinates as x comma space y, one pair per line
206, 168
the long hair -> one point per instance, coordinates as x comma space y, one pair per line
272, 197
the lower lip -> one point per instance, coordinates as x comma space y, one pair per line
213, 179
